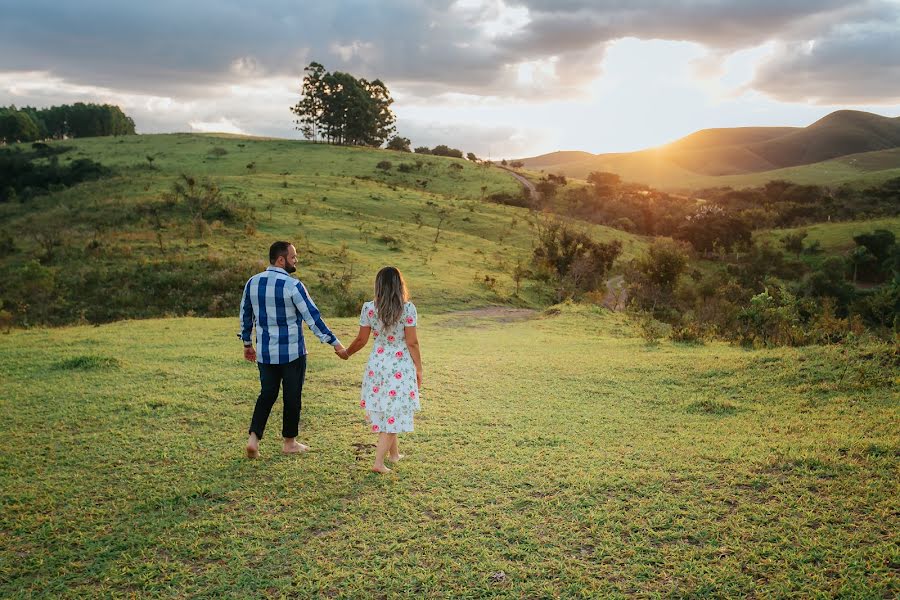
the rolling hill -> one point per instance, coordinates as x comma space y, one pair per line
751, 154
126, 247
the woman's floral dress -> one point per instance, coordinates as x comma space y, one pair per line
390, 392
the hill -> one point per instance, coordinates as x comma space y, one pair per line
125, 246
704, 158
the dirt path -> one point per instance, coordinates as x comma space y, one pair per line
498, 314
532, 191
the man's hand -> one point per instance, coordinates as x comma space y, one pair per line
249, 354
341, 351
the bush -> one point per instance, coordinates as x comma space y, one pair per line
521, 199
398, 143
688, 333
576, 262
770, 320
651, 330
443, 150
651, 279
384, 165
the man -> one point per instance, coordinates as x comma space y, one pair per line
274, 302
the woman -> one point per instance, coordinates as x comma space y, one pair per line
393, 375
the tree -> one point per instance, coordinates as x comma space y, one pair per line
793, 242
878, 242
711, 227
471, 156
343, 109
17, 126
423, 150
653, 277
863, 261
602, 179
311, 106
444, 150
400, 144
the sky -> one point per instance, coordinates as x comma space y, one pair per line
501, 78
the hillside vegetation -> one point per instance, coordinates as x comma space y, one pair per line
132, 245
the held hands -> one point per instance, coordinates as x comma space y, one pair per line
341, 352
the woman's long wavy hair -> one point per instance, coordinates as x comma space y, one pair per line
390, 295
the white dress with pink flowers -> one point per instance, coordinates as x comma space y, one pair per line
390, 393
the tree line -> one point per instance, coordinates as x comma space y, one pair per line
31, 124
340, 109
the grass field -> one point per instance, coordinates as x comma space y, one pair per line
834, 238
558, 456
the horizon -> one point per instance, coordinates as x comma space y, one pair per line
500, 79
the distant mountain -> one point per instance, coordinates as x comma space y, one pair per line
735, 151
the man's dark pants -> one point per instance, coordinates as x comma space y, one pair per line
288, 376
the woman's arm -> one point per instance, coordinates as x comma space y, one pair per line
362, 338
412, 341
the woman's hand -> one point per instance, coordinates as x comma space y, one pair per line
419, 377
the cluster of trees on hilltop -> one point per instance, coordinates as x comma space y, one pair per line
340, 109
30, 124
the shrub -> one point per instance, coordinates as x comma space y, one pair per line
576, 262
688, 333
398, 143
651, 279
770, 320
521, 199
651, 330
384, 165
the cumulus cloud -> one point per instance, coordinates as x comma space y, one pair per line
850, 64
208, 60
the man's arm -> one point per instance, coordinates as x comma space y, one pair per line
310, 313
246, 319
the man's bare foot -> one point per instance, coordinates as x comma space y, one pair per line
295, 448
397, 458
382, 469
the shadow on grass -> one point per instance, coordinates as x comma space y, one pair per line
88, 362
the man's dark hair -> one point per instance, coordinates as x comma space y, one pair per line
278, 249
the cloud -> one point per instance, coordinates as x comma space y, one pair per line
208, 61
472, 46
850, 65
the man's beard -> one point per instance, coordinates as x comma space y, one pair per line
290, 268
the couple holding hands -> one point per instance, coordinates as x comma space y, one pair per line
274, 303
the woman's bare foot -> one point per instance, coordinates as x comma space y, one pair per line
397, 458
381, 469
295, 448
252, 446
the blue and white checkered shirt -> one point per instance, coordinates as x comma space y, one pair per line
275, 302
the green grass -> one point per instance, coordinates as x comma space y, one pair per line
554, 457
319, 196
834, 238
